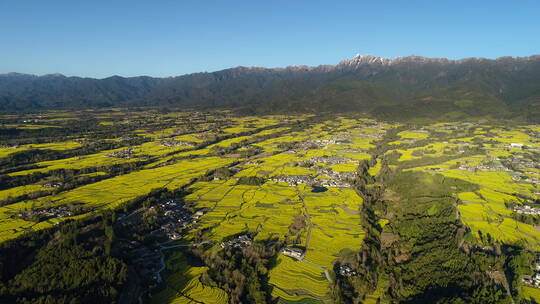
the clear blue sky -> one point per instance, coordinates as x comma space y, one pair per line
165, 38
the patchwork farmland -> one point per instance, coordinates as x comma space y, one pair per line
310, 209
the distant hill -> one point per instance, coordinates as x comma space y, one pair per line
404, 87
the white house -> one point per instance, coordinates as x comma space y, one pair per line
516, 145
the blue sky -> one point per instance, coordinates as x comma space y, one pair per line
167, 38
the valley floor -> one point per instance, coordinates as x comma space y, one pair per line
278, 182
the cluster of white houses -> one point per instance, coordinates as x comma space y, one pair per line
337, 176
487, 164
527, 210
331, 178
522, 161
336, 180
338, 139
48, 213
527, 179
323, 143
495, 165
175, 143
52, 184
333, 183
329, 160
125, 153
293, 180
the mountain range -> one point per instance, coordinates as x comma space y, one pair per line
399, 88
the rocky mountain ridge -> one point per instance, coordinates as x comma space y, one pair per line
420, 86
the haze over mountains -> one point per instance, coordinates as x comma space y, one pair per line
403, 87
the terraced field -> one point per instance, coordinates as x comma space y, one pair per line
267, 210
183, 284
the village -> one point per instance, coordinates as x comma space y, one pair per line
172, 220
337, 180
175, 143
521, 161
293, 180
329, 160
321, 143
329, 177
42, 214
489, 164
125, 153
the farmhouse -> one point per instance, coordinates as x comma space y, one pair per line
516, 145
52, 185
293, 252
346, 271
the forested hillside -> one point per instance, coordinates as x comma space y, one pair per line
405, 88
